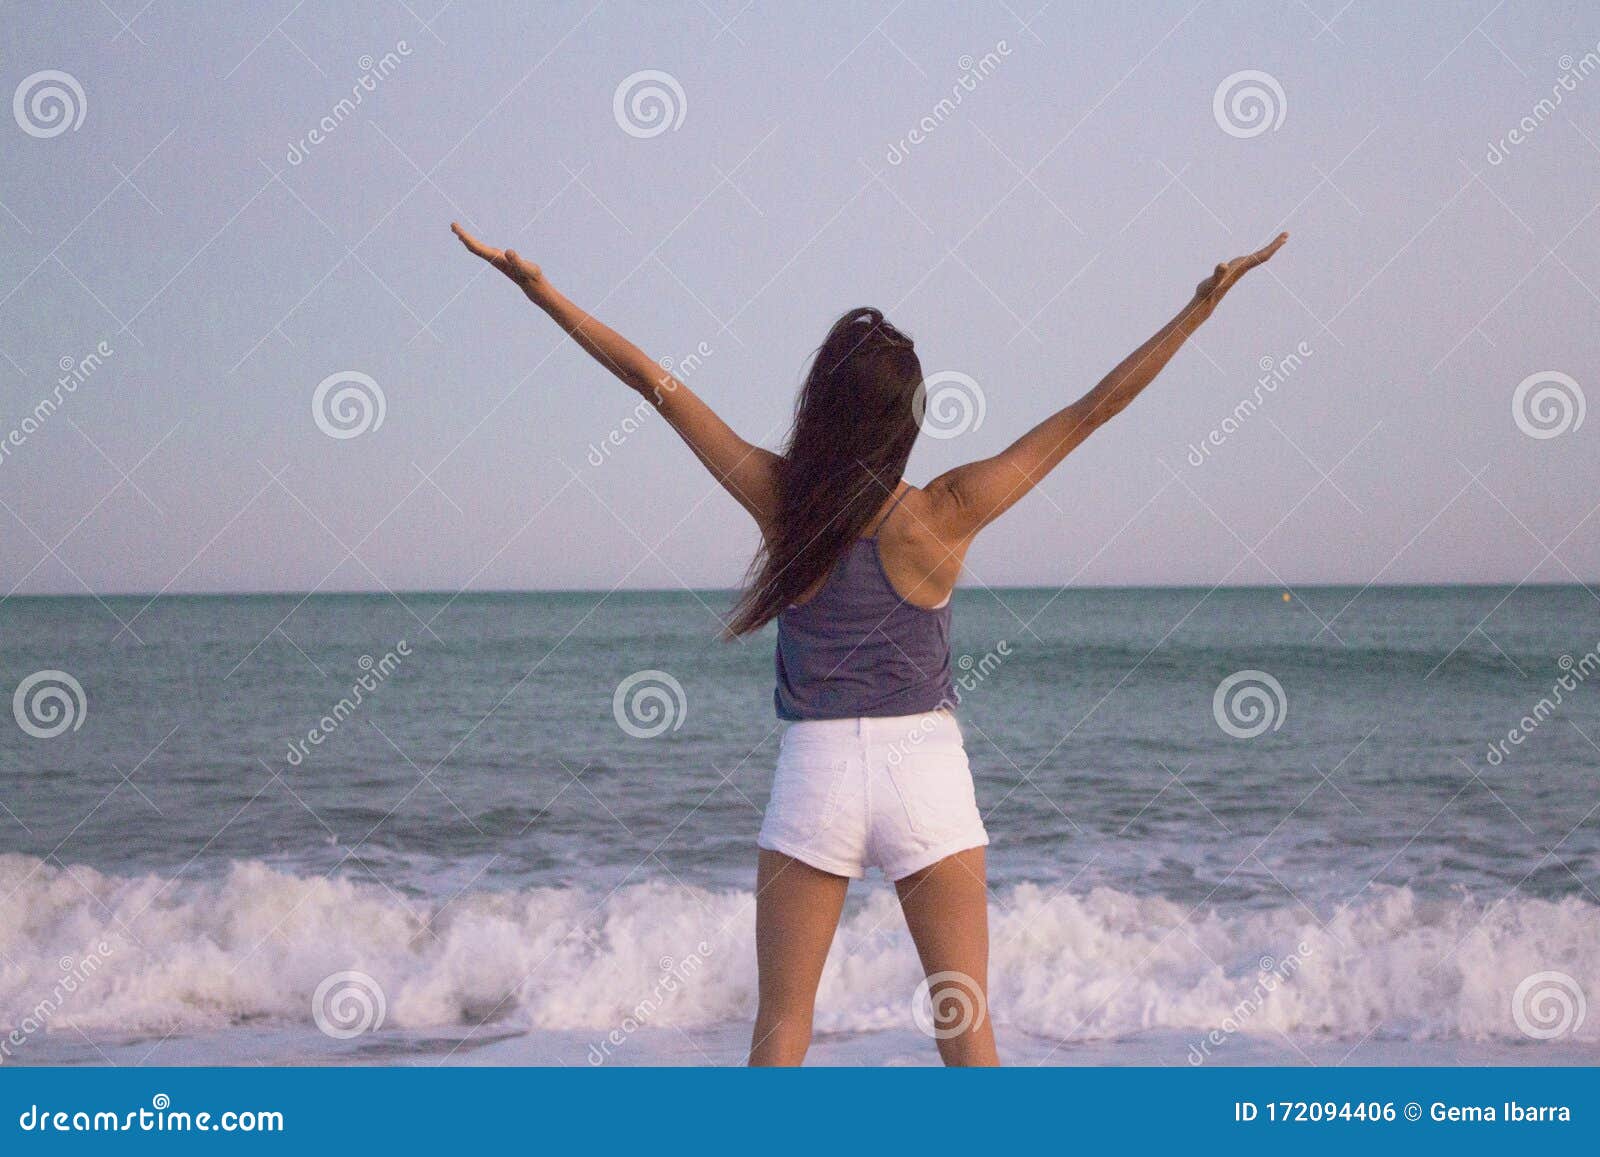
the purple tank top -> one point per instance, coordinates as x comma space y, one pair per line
857, 648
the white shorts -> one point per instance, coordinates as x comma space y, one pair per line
893, 793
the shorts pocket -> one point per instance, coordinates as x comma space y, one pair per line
806, 796
935, 788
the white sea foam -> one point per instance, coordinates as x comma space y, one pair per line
252, 947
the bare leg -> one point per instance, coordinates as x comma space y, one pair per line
947, 909
797, 911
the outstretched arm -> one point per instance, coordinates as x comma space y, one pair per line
747, 472
970, 497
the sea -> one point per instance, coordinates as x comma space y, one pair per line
1333, 825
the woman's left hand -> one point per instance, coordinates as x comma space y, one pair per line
525, 273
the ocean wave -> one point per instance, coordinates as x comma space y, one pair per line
81, 950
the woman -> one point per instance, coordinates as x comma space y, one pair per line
858, 567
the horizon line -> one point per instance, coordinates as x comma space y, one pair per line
382, 592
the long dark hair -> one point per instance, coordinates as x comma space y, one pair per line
854, 425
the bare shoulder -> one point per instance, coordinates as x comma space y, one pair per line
946, 508
918, 517
922, 559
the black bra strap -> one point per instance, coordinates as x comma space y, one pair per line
893, 506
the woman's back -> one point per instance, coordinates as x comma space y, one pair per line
858, 647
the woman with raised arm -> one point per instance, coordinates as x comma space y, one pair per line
857, 567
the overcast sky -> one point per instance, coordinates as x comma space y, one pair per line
1034, 232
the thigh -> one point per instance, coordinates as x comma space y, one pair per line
946, 907
797, 912
947, 910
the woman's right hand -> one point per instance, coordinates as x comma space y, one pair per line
1225, 276
525, 273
